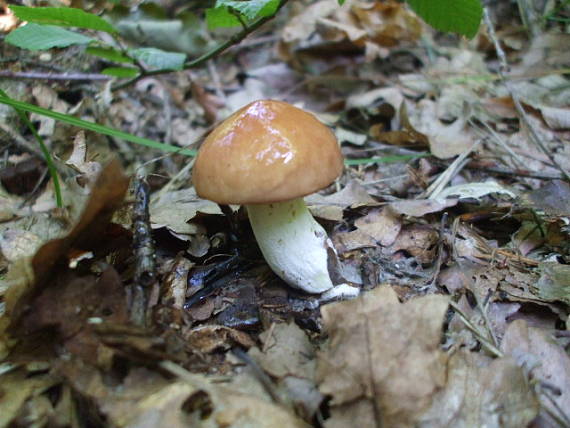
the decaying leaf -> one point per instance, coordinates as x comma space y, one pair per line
383, 361
536, 351
331, 207
286, 351
480, 392
89, 231
79, 160
382, 225
175, 209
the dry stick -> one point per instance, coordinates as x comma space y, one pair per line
498, 139
503, 69
446, 176
516, 173
39, 75
234, 40
485, 342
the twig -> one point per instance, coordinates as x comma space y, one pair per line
516, 158
452, 170
145, 275
515, 173
503, 69
484, 341
234, 40
40, 75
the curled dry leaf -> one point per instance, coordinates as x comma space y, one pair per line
445, 140
16, 388
78, 160
88, 232
382, 362
208, 338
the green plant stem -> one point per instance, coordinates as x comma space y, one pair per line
234, 40
95, 127
45, 151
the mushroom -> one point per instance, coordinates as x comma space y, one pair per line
267, 156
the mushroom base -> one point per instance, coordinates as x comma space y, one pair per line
294, 245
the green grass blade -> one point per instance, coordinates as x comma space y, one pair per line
43, 147
384, 159
91, 126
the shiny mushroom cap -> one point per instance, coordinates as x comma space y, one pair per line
268, 151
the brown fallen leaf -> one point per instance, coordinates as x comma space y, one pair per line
407, 136
418, 240
331, 207
548, 362
208, 338
18, 387
382, 364
147, 399
381, 224
90, 231
289, 357
78, 160
286, 351
482, 392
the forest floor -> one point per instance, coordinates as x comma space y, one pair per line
452, 216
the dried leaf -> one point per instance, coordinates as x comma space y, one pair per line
106, 197
286, 351
549, 363
382, 225
382, 355
481, 392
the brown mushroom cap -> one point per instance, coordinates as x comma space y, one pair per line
268, 151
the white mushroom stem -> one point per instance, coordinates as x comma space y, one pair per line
294, 245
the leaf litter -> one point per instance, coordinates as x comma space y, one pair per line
462, 255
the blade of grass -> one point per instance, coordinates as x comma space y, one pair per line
91, 126
45, 151
385, 159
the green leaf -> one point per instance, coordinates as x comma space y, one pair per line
90, 126
37, 37
340, 2
120, 71
221, 17
159, 59
62, 17
109, 54
458, 16
251, 9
